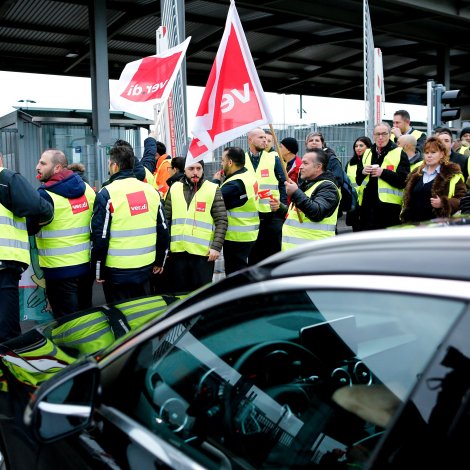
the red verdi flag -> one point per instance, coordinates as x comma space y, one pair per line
148, 81
233, 102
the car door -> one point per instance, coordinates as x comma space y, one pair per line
249, 378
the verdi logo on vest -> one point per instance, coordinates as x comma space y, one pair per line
79, 204
200, 206
265, 173
137, 203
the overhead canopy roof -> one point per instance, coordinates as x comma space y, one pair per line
299, 46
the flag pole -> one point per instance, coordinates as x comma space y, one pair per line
278, 150
284, 165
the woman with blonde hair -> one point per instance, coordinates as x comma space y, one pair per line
433, 189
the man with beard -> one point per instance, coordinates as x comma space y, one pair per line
382, 174
197, 216
313, 212
64, 244
129, 231
268, 170
240, 193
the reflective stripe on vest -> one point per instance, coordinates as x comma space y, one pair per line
243, 221
351, 172
37, 364
386, 192
133, 239
66, 240
86, 334
265, 176
14, 244
192, 228
296, 233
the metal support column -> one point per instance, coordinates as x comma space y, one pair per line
99, 83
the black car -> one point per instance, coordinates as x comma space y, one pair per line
346, 353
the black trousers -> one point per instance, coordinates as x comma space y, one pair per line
69, 295
119, 292
269, 237
236, 255
188, 272
9, 304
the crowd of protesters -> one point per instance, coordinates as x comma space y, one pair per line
158, 225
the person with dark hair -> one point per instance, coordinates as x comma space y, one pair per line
444, 134
157, 162
435, 188
361, 146
138, 166
196, 211
79, 169
382, 174
313, 212
289, 148
18, 202
64, 244
240, 193
176, 170
402, 126
129, 231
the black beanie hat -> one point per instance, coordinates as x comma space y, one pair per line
465, 130
290, 144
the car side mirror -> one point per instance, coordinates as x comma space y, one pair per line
64, 405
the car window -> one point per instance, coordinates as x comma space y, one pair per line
286, 379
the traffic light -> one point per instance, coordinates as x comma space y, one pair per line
445, 104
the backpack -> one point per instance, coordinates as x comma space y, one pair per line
349, 200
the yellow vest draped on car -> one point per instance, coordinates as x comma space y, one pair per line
14, 244
133, 239
296, 232
192, 228
387, 193
66, 240
243, 221
265, 176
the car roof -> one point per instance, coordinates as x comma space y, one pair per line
417, 251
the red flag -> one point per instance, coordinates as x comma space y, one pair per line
148, 81
233, 102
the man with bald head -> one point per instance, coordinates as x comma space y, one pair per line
64, 244
408, 143
268, 171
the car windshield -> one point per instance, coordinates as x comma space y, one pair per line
274, 379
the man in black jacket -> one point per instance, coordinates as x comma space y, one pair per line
18, 200
129, 231
313, 212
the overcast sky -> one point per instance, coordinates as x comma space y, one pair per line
50, 91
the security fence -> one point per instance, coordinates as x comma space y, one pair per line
340, 138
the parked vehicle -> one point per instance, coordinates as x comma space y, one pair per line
351, 352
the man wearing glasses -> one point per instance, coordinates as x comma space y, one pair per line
382, 175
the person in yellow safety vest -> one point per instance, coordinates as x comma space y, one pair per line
445, 135
64, 244
462, 144
382, 174
268, 170
196, 211
18, 201
402, 125
435, 188
313, 212
240, 193
408, 143
129, 231
360, 147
